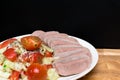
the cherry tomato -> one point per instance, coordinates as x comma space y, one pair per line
6, 42
15, 75
36, 57
48, 54
37, 72
31, 42
10, 54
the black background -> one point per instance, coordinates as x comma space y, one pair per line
96, 21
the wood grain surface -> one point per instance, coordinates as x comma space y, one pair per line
108, 66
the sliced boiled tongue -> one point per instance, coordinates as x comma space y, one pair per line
72, 64
72, 59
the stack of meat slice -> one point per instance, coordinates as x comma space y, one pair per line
73, 58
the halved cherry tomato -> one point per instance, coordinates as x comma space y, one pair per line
6, 42
48, 54
37, 72
31, 42
10, 54
15, 75
36, 57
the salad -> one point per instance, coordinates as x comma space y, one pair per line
26, 58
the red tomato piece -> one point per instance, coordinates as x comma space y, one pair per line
48, 54
10, 54
36, 57
15, 75
31, 42
6, 42
37, 72
49, 66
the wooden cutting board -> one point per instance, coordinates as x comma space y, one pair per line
108, 66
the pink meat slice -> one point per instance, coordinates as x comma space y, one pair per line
64, 39
66, 46
50, 33
72, 62
62, 35
39, 33
58, 42
72, 65
74, 56
80, 51
65, 49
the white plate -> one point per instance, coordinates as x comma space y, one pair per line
93, 63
